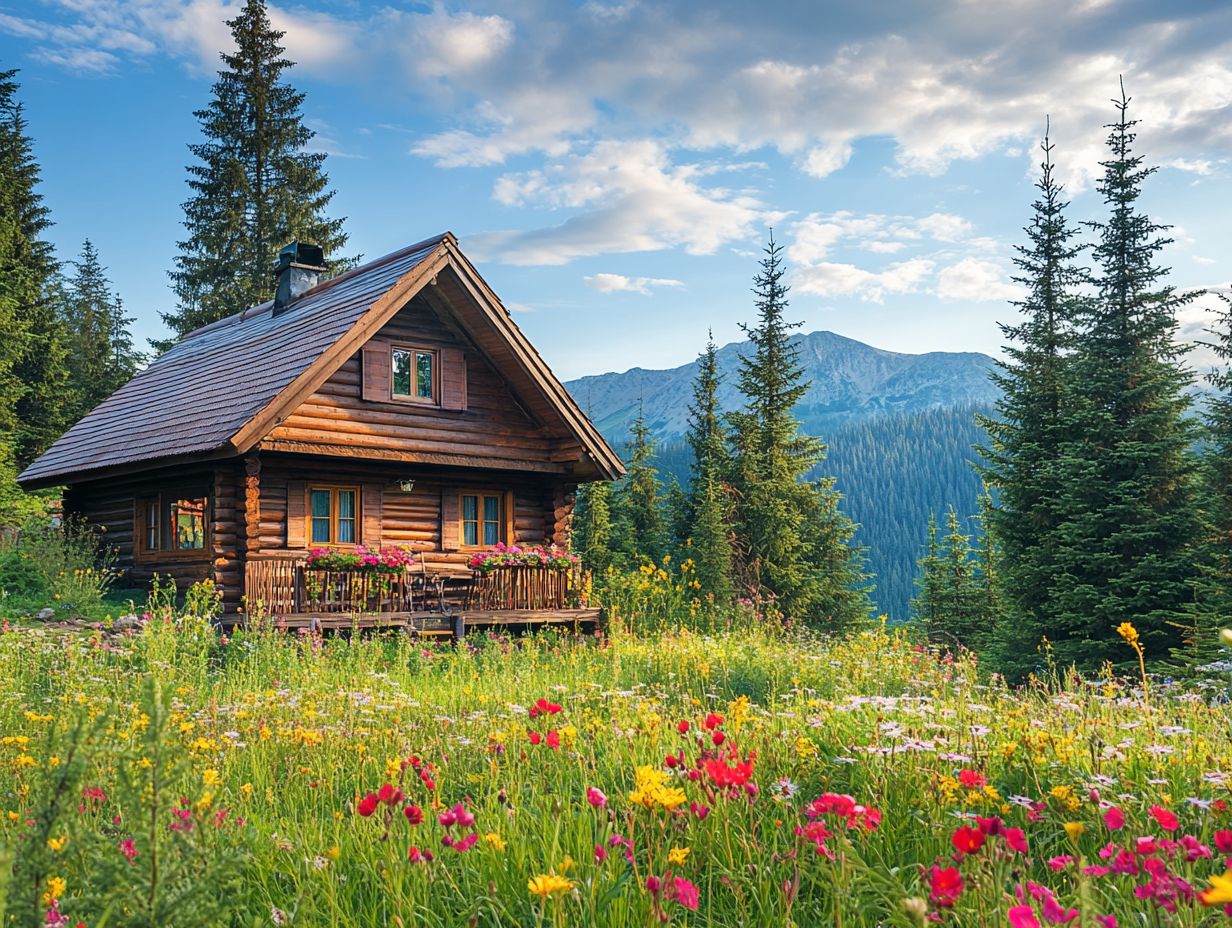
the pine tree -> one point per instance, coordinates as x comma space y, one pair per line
1028, 433
255, 188
710, 511
678, 516
592, 527
639, 497
955, 603
1213, 608
926, 604
33, 405
793, 537
100, 353
1130, 524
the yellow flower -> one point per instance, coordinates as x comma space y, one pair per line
1220, 892
56, 886
494, 840
549, 884
210, 777
57, 844
1075, 830
1127, 631
677, 856
1226, 637
246, 790
334, 852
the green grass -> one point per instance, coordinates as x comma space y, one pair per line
289, 733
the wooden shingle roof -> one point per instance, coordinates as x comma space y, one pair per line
218, 391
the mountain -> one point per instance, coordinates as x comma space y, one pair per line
900, 428
850, 381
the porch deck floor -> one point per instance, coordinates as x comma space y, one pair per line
426, 623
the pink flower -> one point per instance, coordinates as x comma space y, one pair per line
596, 797
1114, 819
1023, 916
1223, 841
128, 849
1016, 839
1060, 863
1164, 818
684, 893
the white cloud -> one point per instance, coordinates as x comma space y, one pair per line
624, 197
976, 281
446, 45
619, 283
826, 159
944, 227
831, 279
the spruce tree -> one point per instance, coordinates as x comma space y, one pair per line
955, 602
592, 527
1026, 436
1129, 520
255, 187
794, 539
639, 497
708, 500
33, 403
1212, 609
101, 354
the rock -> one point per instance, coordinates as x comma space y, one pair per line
125, 622
45, 615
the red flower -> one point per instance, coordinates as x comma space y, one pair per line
413, 814
967, 840
718, 738
682, 726
543, 707
990, 826
367, 805
944, 886
1223, 841
1164, 818
1114, 819
535, 737
712, 722
971, 779
723, 776
553, 740
390, 795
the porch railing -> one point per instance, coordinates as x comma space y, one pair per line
285, 586
525, 587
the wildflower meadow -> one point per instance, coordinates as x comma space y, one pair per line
169, 776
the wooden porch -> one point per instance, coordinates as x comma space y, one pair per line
428, 600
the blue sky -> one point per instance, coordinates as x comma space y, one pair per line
613, 167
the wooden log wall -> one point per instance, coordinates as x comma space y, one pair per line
412, 518
493, 425
110, 507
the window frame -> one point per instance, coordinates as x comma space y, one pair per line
502, 518
334, 514
161, 504
414, 350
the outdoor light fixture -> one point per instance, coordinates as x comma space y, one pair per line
406, 486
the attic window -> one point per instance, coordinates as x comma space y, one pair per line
414, 374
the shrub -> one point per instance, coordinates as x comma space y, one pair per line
64, 565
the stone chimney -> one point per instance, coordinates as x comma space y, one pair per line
298, 269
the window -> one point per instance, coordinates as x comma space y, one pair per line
414, 374
174, 522
481, 519
331, 511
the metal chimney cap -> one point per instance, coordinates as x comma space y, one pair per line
300, 254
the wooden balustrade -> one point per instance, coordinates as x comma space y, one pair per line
285, 586
524, 587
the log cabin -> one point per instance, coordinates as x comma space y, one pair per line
396, 404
